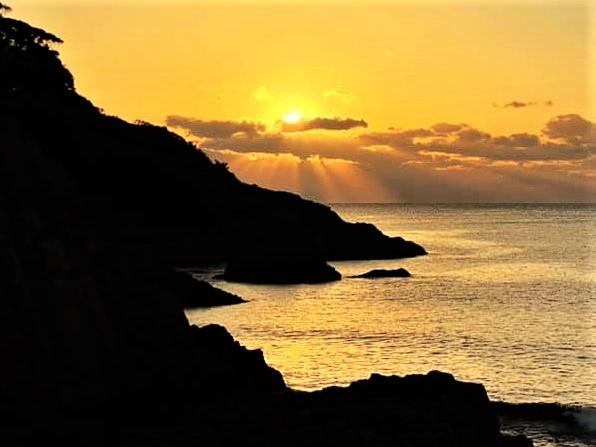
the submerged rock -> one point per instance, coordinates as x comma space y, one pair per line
382, 273
280, 271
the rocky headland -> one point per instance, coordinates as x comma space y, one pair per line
194, 293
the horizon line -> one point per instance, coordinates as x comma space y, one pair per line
459, 203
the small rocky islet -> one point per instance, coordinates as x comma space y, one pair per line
280, 270
383, 273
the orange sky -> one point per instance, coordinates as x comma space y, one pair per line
368, 80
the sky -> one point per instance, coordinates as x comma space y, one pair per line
362, 101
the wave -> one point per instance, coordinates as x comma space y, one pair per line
585, 417
547, 422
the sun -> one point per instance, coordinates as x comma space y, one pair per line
292, 117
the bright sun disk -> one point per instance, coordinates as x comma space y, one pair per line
292, 117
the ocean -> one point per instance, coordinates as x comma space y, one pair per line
505, 297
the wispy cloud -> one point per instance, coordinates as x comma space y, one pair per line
523, 104
214, 129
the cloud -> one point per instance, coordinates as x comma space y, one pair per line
451, 156
504, 164
472, 135
572, 129
568, 141
397, 138
414, 133
516, 147
453, 168
523, 104
519, 104
518, 140
447, 128
214, 129
377, 148
324, 124
341, 95
418, 164
328, 160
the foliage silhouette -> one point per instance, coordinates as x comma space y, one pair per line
30, 63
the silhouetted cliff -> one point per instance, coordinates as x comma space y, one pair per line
156, 192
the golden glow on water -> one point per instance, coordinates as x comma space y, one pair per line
506, 298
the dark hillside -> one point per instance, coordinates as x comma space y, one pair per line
147, 185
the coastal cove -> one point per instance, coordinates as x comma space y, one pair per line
505, 308
504, 298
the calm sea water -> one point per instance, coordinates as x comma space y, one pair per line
506, 297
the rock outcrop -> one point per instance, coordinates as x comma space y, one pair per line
194, 293
382, 273
417, 410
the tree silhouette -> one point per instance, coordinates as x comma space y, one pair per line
4, 8
19, 34
31, 60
